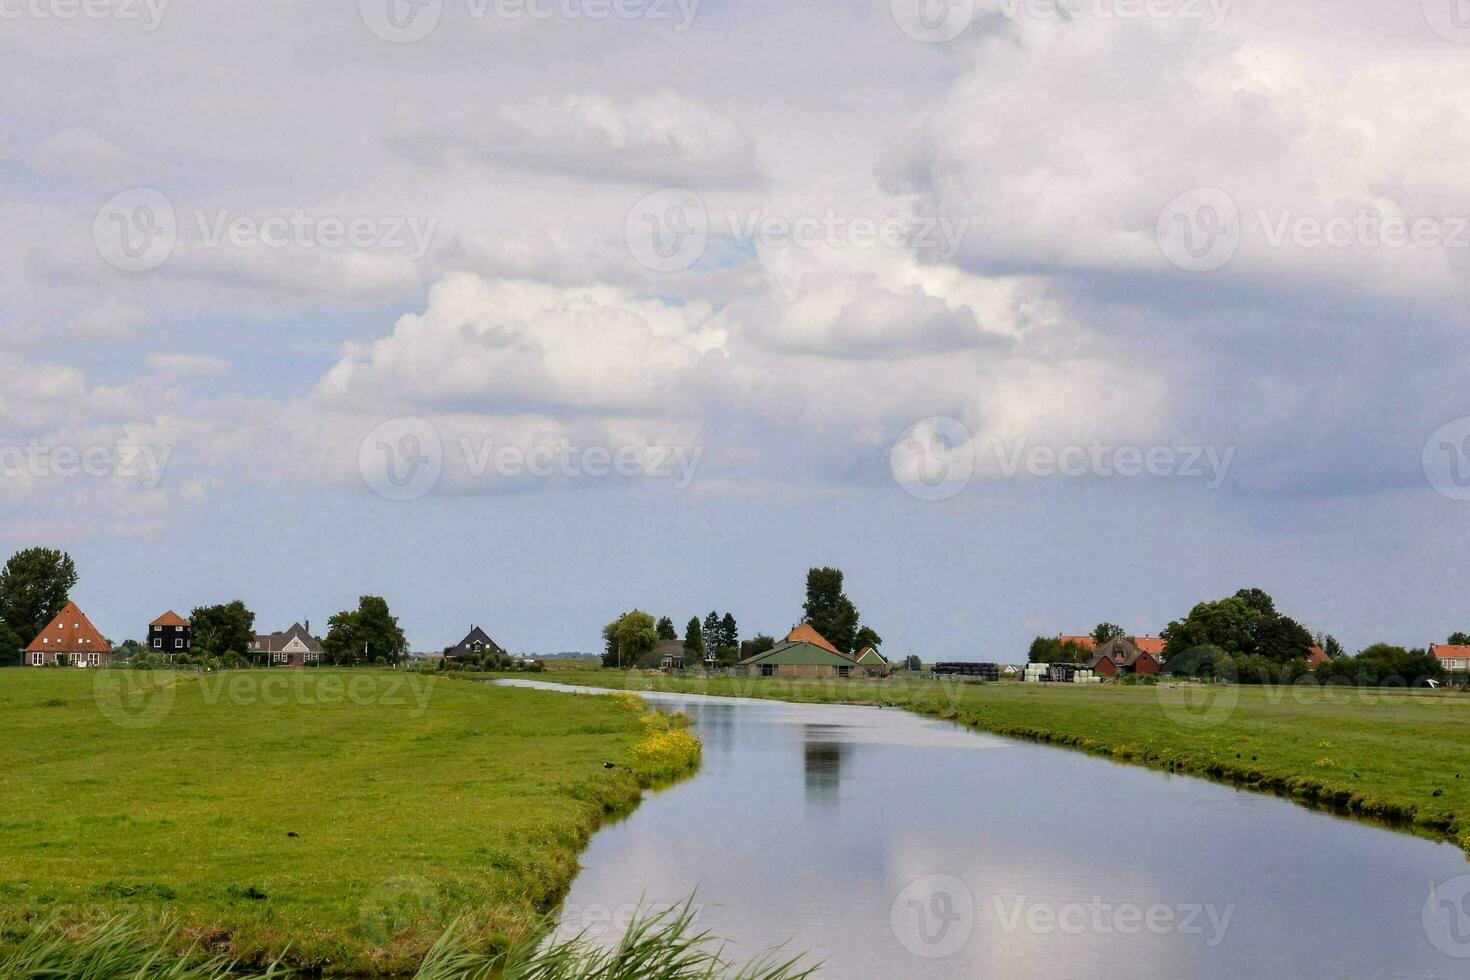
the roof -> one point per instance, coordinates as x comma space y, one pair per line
1449, 651
805, 633
1121, 652
70, 632
276, 642
869, 655
1085, 642
800, 651
1316, 657
170, 618
1150, 644
466, 647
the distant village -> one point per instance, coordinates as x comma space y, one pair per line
1244, 631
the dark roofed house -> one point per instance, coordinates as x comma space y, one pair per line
170, 635
667, 655
1122, 657
295, 647
476, 643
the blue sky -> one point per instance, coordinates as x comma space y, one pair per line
814, 251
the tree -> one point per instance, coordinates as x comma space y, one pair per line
219, 630
912, 662
729, 632
760, 643
1107, 633
665, 629
866, 637
1246, 624
693, 640
1330, 646
35, 585
1459, 639
828, 610
1055, 650
11, 649
1383, 665
368, 634
713, 636
629, 638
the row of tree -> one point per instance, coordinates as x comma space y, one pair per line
631, 639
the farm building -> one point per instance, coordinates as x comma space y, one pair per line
69, 640
806, 653
1122, 657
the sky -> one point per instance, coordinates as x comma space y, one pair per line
522, 313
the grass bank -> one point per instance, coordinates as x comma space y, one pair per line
1395, 756
342, 817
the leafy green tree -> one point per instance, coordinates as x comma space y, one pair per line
1459, 639
630, 637
222, 629
1330, 646
760, 643
11, 648
912, 662
866, 637
665, 629
729, 632
693, 640
1055, 650
727, 656
1383, 665
829, 610
1107, 633
369, 634
1247, 623
35, 585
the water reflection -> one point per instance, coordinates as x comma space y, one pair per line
899, 847
823, 768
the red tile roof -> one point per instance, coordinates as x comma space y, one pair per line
1150, 644
70, 632
1316, 657
1085, 642
806, 634
170, 618
1446, 651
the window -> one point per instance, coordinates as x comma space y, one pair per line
844, 671
38, 659
93, 659
158, 643
178, 644
178, 629
282, 658
768, 670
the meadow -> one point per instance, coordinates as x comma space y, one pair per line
342, 818
1398, 756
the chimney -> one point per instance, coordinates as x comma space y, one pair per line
308, 627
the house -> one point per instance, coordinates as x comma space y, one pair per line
872, 662
1122, 657
1153, 645
798, 658
668, 655
475, 643
1453, 658
1316, 657
170, 635
806, 653
69, 640
295, 647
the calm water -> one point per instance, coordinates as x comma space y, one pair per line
893, 846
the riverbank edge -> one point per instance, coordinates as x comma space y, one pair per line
663, 753
1313, 793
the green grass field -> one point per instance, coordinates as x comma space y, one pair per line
1380, 754
347, 816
